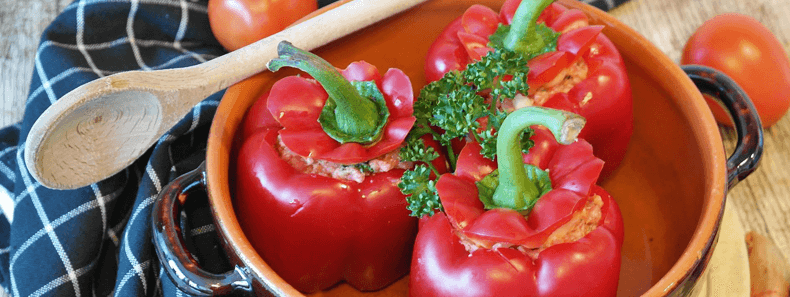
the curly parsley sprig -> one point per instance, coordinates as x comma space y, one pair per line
416, 182
456, 104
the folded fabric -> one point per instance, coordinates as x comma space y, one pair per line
96, 241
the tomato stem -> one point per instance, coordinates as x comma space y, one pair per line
348, 116
523, 36
515, 190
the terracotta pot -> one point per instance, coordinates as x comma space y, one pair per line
671, 185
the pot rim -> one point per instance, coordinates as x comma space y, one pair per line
687, 268
697, 253
217, 184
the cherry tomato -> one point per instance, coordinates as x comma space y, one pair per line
236, 23
746, 51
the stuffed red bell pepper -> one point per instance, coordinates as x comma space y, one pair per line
316, 176
572, 65
525, 225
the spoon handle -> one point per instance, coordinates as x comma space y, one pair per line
308, 35
345, 17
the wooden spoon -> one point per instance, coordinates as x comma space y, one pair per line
101, 127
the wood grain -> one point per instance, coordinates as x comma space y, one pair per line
21, 24
762, 200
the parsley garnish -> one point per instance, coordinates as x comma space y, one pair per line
423, 198
364, 167
416, 182
456, 104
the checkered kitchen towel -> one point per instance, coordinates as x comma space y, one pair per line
96, 241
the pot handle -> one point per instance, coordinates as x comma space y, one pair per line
749, 148
179, 264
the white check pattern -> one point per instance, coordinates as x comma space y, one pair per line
96, 241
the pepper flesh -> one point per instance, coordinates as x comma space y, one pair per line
314, 230
603, 96
470, 251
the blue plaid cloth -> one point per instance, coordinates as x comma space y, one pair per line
96, 241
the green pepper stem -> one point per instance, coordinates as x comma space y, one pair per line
355, 114
452, 157
522, 34
515, 190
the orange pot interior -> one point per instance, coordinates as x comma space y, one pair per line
670, 186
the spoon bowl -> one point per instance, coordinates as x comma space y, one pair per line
91, 139
101, 127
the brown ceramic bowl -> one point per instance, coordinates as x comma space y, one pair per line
671, 185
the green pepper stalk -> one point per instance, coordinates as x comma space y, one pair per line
348, 116
515, 190
523, 36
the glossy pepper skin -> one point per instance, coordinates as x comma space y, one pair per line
443, 265
603, 97
314, 230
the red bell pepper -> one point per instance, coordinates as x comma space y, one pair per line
316, 230
584, 73
483, 245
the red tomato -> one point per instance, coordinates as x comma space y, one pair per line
746, 51
236, 23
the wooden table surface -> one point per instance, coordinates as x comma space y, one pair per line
762, 200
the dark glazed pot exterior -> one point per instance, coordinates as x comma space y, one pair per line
171, 250
743, 161
749, 149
